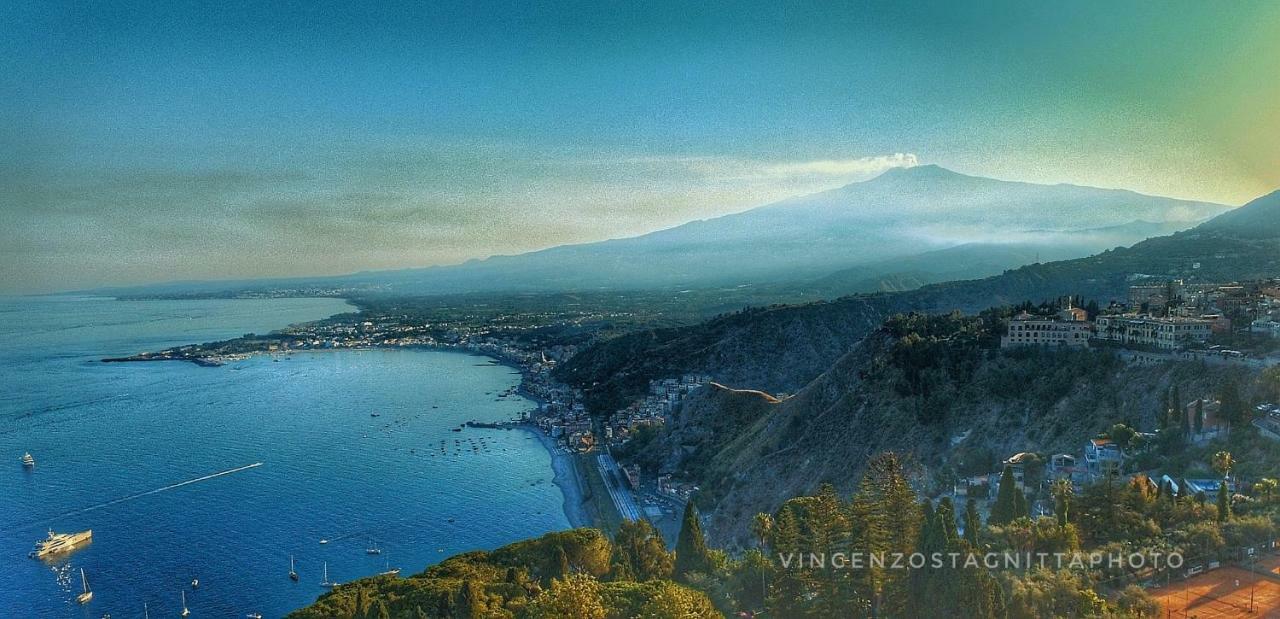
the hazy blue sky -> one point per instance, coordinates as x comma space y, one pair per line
173, 140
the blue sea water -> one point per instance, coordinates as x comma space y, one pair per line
403, 481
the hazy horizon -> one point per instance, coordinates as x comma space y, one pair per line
182, 142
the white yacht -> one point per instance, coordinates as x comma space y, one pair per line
60, 542
28, 461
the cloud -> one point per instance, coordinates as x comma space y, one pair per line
843, 167
814, 171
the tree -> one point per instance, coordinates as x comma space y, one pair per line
1062, 491
471, 601
692, 554
1265, 488
972, 522
577, 596
762, 527
1178, 410
1231, 407
1134, 601
1224, 502
1223, 462
640, 553
1006, 507
1199, 416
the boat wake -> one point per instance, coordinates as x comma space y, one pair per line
139, 495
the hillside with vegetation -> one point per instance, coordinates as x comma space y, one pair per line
577, 573
581, 574
934, 388
781, 348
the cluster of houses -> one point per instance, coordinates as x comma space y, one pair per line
1166, 316
1106, 456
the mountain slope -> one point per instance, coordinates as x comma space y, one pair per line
900, 213
1257, 219
905, 213
783, 347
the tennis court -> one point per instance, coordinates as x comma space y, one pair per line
1224, 592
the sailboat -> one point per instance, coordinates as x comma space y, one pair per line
390, 571
373, 548
325, 582
84, 598
293, 574
185, 611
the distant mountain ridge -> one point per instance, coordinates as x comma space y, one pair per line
903, 214
782, 348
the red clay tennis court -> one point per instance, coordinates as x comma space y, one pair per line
1224, 592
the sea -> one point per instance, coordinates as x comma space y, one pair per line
357, 448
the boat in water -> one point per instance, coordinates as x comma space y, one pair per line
390, 571
372, 549
28, 461
60, 542
293, 574
87, 595
326, 582
195, 583
185, 611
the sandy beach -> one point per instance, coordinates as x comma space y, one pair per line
567, 479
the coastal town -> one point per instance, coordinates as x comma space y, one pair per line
1223, 323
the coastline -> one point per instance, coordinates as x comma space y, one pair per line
567, 479
566, 475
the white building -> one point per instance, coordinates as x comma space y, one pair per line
1067, 329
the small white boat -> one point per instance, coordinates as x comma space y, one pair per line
87, 595
185, 611
324, 541
195, 583
293, 574
326, 583
28, 461
372, 549
253, 616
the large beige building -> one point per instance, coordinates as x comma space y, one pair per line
1162, 333
1068, 329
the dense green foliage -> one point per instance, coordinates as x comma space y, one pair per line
569, 574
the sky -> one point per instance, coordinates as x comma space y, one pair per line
144, 142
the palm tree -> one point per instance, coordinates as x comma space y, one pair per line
1266, 487
1223, 462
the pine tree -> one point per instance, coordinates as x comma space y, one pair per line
445, 605
1224, 502
1062, 491
1006, 508
362, 604
1179, 411
1199, 416
692, 555
639, 553
972, 522
470, 601
379, 611
563, 569
947, 517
